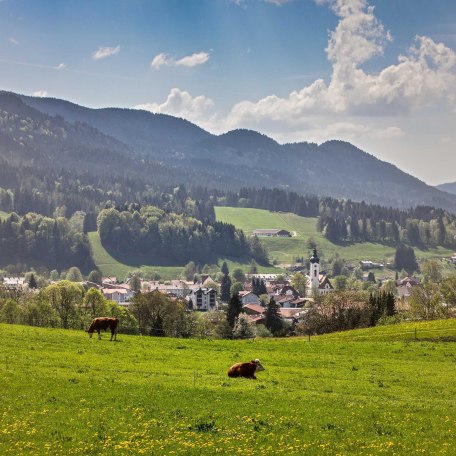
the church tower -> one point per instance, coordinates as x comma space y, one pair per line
314, 270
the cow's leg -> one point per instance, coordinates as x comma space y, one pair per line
99, 334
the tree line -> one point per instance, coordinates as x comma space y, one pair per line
169, 236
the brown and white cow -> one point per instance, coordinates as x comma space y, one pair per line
246, 370
102, 323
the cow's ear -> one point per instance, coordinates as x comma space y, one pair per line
253, 361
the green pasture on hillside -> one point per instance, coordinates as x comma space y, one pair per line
123, 263
366, 392
285, 250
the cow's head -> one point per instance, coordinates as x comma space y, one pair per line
259, 367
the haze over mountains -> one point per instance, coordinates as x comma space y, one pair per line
163, 149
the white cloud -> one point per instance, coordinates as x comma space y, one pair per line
160, 60
180, 103
103, 52
13, 40
60, 66
196, 59
40, 93
164, 60
424, 75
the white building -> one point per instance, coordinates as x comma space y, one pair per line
203, 299
319, 283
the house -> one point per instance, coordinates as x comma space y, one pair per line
366, 264
452, 260
109, 280
255, 313
247, 297
404, 287
203, 299
14, 283
177, 288
271, 233
121, 295
292, 315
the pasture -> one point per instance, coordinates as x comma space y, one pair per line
285, 250
120, 265
363, 392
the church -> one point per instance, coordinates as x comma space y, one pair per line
317, 283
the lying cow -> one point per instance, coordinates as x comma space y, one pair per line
102, 323
246, 370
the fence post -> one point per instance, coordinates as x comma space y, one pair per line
416, 338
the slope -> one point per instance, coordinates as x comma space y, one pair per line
247, 158
66, 394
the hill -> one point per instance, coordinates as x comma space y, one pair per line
66, 394
449, 187
247, 158
285, 250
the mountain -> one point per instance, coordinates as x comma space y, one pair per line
449, 187
160, 148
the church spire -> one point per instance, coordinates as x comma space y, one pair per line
315, 270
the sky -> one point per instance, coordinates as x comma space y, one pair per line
378, 73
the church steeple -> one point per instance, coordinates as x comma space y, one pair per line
314, 270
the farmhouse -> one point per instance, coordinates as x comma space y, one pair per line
271, 233
366, 264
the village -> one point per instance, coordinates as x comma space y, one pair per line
293, 291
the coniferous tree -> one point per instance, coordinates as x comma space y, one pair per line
225, 288
32, 282
234, 309
273, 320
225, 269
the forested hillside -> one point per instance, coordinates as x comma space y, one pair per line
58, 160
247, 158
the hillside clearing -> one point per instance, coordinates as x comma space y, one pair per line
120, 266
65, 394
285, 250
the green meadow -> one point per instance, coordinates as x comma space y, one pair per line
367, 392
121, 264
285, 250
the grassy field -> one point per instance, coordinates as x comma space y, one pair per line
286, 249
122, 264
364, 392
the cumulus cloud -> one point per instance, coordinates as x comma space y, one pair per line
424, 75
180, 103
103, 52
60, 66
40, 93
165, 60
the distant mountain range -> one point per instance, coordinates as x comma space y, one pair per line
449, 187
160, 148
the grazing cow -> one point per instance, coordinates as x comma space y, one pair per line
104, 323
246, 370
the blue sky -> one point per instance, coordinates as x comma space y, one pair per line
378, 73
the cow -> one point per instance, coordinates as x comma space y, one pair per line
246, 370
104, 323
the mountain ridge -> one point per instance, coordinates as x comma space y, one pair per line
247, 158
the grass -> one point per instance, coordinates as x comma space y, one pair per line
121, 264
363, 392
285, 250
